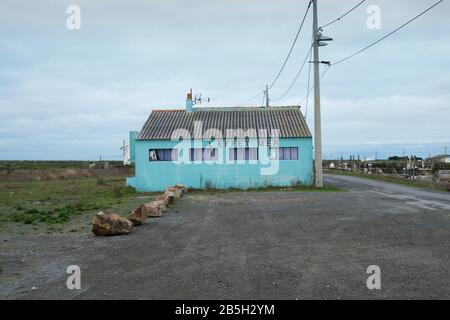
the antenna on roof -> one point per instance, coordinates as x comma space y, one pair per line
198, 99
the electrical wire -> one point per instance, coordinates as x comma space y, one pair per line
288, 56
341, 60
292, 46
296, 77
250, 99
307, 90
376, 42
388, 35
345, 14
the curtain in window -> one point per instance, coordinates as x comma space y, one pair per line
286, 153
252, 154
159, 154
163, 155
232, 154
198, 154
240, 154
294, 153
210, 154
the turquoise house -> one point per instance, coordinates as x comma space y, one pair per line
222, 148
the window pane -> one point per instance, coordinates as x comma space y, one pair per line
214, 154
240, 154
198, 154
287, 153
165, 155
210, 154
232, 154
294, 153
252, 154
159, 154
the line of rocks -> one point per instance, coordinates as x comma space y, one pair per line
110, 224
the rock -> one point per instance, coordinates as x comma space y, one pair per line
161, 203
163, 197
170, 197
177, 193
155, 209
110, 224
182, 188
138, 215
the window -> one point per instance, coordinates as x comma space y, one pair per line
205, 154
242, 154
163, 155
287, 153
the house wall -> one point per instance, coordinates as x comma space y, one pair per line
156, 176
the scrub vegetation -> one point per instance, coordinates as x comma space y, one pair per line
54, 203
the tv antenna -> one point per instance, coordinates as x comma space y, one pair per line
198, 99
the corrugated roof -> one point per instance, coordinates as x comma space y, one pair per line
161, 124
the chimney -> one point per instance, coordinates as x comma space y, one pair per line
189, 103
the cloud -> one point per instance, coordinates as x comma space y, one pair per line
75, 94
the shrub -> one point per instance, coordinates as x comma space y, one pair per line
208, 185
101, 181
117, 191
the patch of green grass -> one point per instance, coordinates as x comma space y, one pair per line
55, 202
101, 181
49, 217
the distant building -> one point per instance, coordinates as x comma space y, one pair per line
126, 154
222, 148
445, 158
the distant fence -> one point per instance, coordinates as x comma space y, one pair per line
60, 174
444, 176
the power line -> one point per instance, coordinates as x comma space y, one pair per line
374, 43
345, 14
292, 46
296, 77
250, 99
307, 90
388, 35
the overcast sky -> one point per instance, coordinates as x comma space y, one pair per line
75, 94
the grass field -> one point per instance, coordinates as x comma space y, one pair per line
57, 204
42, 165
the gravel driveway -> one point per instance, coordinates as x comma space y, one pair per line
252, 245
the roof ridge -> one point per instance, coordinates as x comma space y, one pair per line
272, 108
